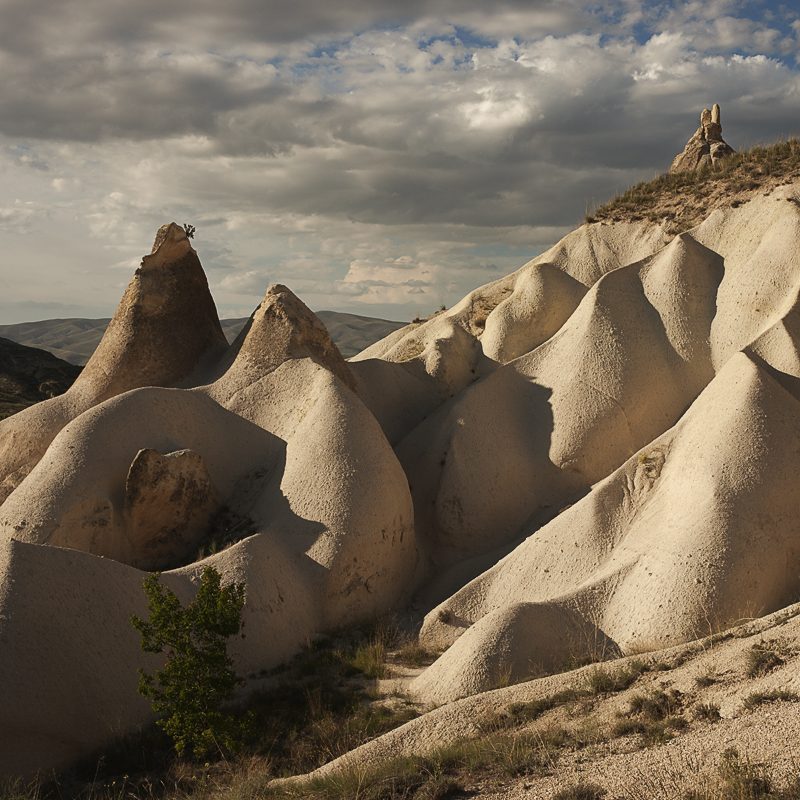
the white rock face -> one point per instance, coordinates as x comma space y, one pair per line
598, 450
273, 430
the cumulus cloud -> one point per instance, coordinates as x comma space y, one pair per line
22, 217
364, 151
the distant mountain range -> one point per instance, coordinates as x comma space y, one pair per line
74, 340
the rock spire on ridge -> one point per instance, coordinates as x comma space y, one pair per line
706, 147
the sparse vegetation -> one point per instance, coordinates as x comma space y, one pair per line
581, 791
738, 779
413, 654
681, 201
655, 715
763, 657
322, 704
707, 711
756, 699
307, 712
706, 678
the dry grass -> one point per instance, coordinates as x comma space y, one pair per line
681, 201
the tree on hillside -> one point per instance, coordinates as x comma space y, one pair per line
198, 676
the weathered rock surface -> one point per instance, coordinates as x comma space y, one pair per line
165, 329
170, 501
600, 447
269, 427
706, 147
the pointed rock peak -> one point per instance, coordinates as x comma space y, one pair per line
706, 147
165, 326
171, 243
281, 328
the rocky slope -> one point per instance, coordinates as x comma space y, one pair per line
681, 201
598, 448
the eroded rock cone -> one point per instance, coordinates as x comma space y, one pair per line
165, 326
280, 329
164, 331
706, 147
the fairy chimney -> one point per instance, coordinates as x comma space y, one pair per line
706, 147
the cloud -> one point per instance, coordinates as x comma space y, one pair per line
359, 151
21, 217
251, 282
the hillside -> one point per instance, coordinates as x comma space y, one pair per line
29, 375
680, 201
590, 459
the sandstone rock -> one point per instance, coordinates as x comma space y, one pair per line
281, 328
706, 147
169, 504
600, 448
274, 431
164, 332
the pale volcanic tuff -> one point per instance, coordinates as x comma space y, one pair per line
601, 446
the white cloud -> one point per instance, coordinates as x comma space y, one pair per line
251, 282
346, 157
21, 217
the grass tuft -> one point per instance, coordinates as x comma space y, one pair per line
581, 791
757, 699
707, 711
761, 658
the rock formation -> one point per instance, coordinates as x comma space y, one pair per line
706, 147
598, 448
165, 328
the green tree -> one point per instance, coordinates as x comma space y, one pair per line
198, 676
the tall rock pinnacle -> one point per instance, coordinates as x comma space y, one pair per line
706, 147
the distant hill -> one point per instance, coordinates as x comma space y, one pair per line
28, 375
74, 340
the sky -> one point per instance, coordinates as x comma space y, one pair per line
378, 157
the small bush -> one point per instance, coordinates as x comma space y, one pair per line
707, 711
706, 678
759, 698
625, 727
413, 654
654, 715
657, 704
741, 779
602, 681
527, 712
198, 676
761, 658
581, 791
